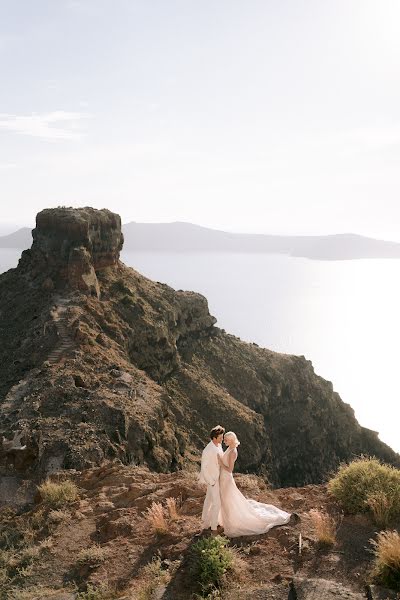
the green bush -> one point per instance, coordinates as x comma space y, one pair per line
211, 559
364, 484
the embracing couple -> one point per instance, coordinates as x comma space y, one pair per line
224, 504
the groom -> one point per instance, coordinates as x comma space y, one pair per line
209, 474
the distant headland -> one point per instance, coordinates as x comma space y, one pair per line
186, 237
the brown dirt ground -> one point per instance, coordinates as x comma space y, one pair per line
110, 513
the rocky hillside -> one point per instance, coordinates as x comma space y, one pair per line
97, 361
101, 540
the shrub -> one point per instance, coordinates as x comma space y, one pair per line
95, 555
57, 494
156, 517
210, 560
325, 527
386, 569
357, 486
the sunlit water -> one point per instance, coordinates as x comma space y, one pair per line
342, 315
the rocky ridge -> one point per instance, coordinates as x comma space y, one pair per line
99, 362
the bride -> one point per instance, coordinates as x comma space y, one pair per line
240, 515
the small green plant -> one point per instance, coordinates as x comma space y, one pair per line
58, 494
386, 569
359, 485
211, 559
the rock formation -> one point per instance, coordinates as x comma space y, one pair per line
98, 361
71, 245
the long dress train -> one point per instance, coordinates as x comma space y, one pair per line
240, 515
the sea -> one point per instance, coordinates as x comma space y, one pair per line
344, 316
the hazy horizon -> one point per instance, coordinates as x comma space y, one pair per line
7, 228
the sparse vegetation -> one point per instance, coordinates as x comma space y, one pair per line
172, 507
210, 561
325, 527
387, 559
37, 519
95, 555
58, 516
381, 506
155, 515
58, 494
152, 576
36, 592
368, 485
103, 592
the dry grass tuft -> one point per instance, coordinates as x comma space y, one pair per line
37, 519
172, 507
58, 516
104, 592
58, 494
387, 559
38, 592
95, 555
381, 507
155, 515
325, 527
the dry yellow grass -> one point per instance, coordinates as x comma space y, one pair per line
172, 507
94, 555
387, 558
381, 507
155, 515
58, 494
325, 527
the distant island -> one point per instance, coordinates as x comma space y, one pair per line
186, 237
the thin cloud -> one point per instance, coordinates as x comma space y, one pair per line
57, 125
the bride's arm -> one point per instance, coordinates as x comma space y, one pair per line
221, 463
231, 460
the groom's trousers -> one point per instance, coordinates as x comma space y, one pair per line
211, 507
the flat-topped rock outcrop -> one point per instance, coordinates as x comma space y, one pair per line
70, 245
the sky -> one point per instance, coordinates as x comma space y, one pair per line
261, 116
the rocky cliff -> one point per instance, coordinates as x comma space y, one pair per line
98, 361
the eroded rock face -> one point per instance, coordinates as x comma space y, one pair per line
72, 245
141, 373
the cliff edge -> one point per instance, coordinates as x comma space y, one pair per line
97, 362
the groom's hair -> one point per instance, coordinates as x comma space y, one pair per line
216, 431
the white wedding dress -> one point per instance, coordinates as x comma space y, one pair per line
240, 515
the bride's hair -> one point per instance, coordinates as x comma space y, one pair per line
232, 434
